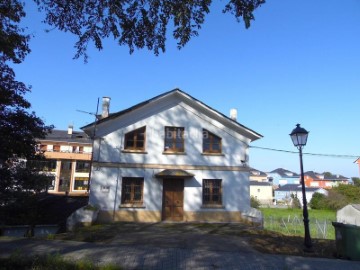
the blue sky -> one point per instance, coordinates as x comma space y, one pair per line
298, 63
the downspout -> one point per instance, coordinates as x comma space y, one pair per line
116, 190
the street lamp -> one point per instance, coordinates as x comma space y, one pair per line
299, 137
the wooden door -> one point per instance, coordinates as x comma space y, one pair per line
173, 199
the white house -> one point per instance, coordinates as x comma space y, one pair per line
171, 158
262, 191
284, 193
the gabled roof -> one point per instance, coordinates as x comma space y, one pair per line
251, 134
316, 176
285, 173
296, 187
256, 183
257, 173
63, 136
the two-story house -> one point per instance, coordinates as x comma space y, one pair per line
260, 176
324, 180
67, 157
262, 191
280, 177
171, 158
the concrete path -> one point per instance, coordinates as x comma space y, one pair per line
150, 257
139, 246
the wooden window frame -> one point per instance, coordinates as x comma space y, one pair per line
134, 136
131, 182
212, 139
176, 133
211, 193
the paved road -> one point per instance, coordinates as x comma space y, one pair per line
156, 248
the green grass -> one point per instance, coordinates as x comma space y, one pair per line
285, 212
290, 222
50, 262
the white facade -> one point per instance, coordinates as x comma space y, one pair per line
113, 162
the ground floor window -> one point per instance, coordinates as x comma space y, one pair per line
132, 190
212, 192
81, 183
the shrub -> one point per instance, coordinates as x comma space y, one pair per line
318, 201
254, 203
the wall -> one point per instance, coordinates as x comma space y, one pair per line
106, 193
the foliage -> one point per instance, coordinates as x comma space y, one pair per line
356, 181
254, 202
318, 201
337, 198
137, 24
295, 202
54, 261
19, 127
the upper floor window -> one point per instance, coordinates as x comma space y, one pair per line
212, 192
132, 190
82, 166
211, 142
135, 140
174, 139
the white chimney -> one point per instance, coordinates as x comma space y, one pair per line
70, 129
233, 114
105, 107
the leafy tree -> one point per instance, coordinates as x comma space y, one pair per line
318, 201
356, 181
137, 23
19, 128
254, 202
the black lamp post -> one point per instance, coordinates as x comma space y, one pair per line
299, 137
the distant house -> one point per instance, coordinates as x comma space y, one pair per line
256, 175
262, 191
280, 177
171, 158
286, 192
313, 179
67, 157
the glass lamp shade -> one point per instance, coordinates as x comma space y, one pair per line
299, 136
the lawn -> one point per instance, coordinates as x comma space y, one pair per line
290, 222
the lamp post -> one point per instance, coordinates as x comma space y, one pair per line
299, 137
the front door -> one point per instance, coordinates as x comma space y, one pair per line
173, 199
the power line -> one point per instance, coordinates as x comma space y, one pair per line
309, 154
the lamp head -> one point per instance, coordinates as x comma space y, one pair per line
299, 136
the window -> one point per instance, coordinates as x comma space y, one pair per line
174, 139
211, 142
135, 140
132, 190
81, 183
212, 194
82, 166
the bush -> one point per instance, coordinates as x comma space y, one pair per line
318, 201
295, 202
254, 203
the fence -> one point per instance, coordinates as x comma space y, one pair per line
294, 225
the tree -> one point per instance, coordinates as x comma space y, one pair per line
137, 23
19, 128
356, 181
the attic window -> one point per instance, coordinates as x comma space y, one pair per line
211, 142
135, 140
174, 140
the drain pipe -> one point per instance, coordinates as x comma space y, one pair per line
116, 191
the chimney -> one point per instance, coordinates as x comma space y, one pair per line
233, 114
70, 129
105, 107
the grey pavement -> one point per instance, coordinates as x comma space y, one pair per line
156, 248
